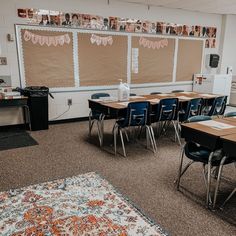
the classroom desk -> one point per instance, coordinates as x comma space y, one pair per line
114, 108
208, 137
17, 102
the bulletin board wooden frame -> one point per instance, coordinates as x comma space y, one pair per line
154, 65
189, 59
76, 69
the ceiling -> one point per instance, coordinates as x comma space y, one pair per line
207, 6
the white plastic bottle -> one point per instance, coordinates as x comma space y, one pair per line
123, 91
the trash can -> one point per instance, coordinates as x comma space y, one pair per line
38, 106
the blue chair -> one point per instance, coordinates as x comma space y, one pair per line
193, 108
98, 117
132, 94
166, 113
153, 93
200, 154
230, 114
218, 106
137, 115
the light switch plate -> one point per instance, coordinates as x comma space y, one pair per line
3, 61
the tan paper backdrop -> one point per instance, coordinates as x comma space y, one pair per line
154, 65
48, 66
102, 65
189, 59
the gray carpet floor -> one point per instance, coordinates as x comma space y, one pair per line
146, 178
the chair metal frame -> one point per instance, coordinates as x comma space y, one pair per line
99, 121
117, 129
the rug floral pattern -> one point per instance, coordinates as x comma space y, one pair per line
83, 205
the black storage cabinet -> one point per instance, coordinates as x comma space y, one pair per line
38, 106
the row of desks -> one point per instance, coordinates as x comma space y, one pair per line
111, 107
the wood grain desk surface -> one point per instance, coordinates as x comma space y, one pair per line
230, 137
154, 99
213, 131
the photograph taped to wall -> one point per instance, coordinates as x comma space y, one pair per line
102, 59
189, 60
155, 60
48, 58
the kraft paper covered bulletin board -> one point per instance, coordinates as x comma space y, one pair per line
102, 59
189, 60
152, 59
48, 58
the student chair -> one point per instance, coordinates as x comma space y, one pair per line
198, 153
137, 115
153, 93
218, 106
97, 117
166, 113
230, 114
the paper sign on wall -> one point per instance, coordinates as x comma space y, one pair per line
135, 53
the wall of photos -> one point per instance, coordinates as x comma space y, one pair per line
113, 23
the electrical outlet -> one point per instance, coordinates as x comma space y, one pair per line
69, 102
3, 61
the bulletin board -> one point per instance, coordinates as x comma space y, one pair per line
189, 60
48, 58
155, 64
99, 64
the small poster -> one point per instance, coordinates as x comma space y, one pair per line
135, 53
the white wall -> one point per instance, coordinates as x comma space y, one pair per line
228, 50
8, 17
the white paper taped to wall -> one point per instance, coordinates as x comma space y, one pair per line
135, 53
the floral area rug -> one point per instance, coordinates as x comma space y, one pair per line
82, 205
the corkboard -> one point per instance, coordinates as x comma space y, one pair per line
154, 65
50, 66
102, 65
189, 59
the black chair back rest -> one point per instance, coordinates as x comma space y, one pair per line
218, 107
167, 109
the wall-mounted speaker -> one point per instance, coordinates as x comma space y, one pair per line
214, 60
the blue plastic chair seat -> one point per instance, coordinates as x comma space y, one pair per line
201, 154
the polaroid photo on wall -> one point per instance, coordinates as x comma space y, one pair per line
138, 27
161, 28
113, 23
152, 28
130, 25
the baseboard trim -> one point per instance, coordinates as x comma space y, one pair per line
54, 122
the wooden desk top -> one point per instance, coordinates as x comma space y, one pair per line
213, 131
154, 99
230, 137
12, 98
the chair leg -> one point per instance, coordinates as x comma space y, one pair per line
91, 122
209, 179
228, 198
115, 137
218, 180
126, 135
180, 169
153, 138
149, 136
122, 142
176, 132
